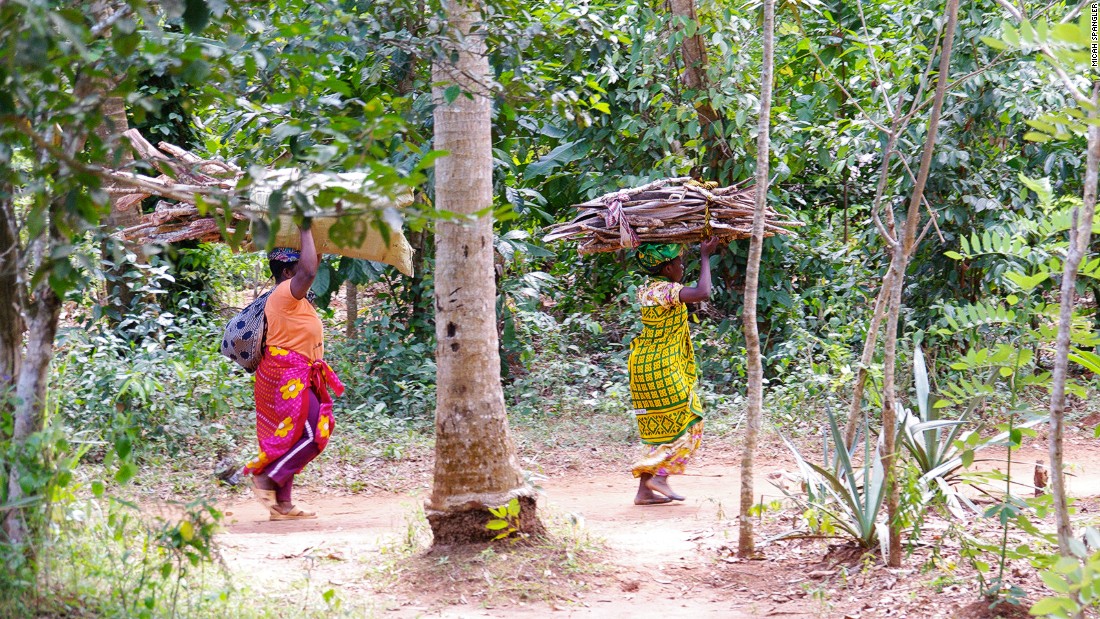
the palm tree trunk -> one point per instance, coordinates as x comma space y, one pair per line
475, 465
745, 543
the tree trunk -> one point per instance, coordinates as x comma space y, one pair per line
903, 249
866, 358
475, 465
29, 411
1080, 233
889, 418
12, 326
745, 543
693, 51
351, 297
124, 213
879, 312
118, 155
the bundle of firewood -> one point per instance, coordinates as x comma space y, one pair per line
184, 178
676, 210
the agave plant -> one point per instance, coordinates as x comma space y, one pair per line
851, 496
929, 438
941, 447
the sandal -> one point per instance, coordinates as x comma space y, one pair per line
295, 513
265, 497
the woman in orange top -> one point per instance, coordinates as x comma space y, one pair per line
293, 405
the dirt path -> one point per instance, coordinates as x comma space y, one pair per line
666, 561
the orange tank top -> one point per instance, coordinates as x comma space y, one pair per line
293, 324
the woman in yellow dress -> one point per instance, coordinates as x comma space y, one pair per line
662, 370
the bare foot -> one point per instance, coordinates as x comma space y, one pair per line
659, 483
645, 496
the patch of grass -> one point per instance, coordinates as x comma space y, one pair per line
107, 558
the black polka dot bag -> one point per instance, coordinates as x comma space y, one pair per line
243, 340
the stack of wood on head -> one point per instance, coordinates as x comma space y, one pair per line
675, 210
352, 228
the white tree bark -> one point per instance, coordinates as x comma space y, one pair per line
745, 543
1080, 236
475, 466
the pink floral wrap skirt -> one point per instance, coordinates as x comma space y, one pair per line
282, 403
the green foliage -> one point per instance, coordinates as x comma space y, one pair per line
390, 366
928, 438
1019, 261
1074, 580
990, 558
158, 374
588, 98
505, 519
206, 275
109, 558
46, 463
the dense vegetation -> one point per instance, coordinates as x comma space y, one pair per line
589, 97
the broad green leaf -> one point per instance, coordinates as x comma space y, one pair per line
451, 93
1052, 605
496, 525
123, 445
563, 154
994, 43
1086, 359
126, 472
1015, 437
1065, 565
1035, 136
1027, 282
1067, 33
1027, 33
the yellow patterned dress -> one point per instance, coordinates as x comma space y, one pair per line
662, 382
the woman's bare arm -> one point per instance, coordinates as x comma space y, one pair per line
306, 270
701, 291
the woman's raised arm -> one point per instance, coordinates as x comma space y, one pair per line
306, 271
701, 291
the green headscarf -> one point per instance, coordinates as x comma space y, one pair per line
652, 255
